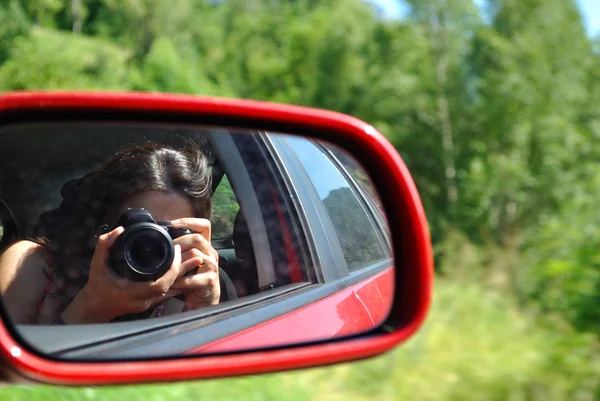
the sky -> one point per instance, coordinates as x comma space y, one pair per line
322, 173
590, 10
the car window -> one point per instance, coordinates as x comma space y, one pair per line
357, 172
224, 208
356, 231
362, 180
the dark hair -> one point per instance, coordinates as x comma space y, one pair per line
67, 232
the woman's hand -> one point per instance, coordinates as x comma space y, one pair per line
201, 288
106, 295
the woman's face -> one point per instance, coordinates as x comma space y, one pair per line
162, 206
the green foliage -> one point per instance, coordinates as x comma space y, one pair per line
53, 60
566, 257
13, 24
165, 70
360, 246
496, 114
45, 12
224, 209
531, 89
477, 345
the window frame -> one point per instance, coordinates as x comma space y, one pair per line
293, 204
327, 247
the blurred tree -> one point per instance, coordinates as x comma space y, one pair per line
224, 209
529, 75
532, 152
447, 25
43, 12
359, 243
53, 60
13, 24
165, 70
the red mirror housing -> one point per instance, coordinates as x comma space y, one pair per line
403, 208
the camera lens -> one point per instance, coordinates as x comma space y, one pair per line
147, 251
143, 252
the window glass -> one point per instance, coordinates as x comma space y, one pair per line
362, 180
356, 171
224, 208
355, 230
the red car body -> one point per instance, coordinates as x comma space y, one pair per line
354, 310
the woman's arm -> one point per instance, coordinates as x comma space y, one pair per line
23, 280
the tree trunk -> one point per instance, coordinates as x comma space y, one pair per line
147, 38
440, 50
76, 16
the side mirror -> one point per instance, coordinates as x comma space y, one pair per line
318, 245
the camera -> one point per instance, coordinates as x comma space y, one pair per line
144, 251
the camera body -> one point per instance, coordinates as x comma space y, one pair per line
144, 251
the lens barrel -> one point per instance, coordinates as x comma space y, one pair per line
143, 252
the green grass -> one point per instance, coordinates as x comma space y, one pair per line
476, 345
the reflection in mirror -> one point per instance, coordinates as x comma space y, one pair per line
140, 241
8, 227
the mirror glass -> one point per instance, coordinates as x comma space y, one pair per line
141, 241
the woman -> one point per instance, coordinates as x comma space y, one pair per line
63, 276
